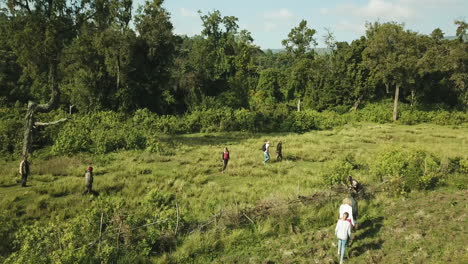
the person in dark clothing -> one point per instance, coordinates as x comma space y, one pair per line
279, 151
354, 186
89, 181
225, 157
24, 170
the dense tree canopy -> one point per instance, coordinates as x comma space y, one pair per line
102, 56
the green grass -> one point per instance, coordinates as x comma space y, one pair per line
251, 213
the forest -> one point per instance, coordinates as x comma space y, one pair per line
109, 84
104, 57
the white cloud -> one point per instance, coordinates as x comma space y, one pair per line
283, 14
345, 26
431, 2
187, 12
384, 9
375, 9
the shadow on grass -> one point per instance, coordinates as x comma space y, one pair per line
208, 139
368, 239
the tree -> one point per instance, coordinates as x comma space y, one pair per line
154, 57
462, 26
437, 35
267, 93
300, 39
299, 46
39, 35
391, 56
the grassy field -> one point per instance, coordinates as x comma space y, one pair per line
252, 213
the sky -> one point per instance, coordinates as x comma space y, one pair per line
270, 21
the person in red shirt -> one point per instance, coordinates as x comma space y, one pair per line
225, 158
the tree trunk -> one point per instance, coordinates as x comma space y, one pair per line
34, 108
299, 105
413, 95
395, 103
357, 103
387, 89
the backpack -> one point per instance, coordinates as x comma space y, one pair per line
264, 147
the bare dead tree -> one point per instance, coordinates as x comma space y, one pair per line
33, 108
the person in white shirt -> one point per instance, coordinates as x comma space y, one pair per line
347, 207
343, 233
266, 152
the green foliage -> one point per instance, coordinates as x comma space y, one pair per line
10, 130
405, 170
338, 170
100, 132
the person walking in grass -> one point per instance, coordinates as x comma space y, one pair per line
266, 151
347, 207
343, 233
279, 151
24, 170
89, 181
225, 157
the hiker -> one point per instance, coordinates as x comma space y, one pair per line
225, 157
279, 151
354, 186
266, 151
24, 170
347, 207
343, 233
89, 181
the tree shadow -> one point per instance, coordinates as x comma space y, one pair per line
219, 138
222, 138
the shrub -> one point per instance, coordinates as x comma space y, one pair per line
101, 132
378, 113
10, 135
405, 170
304, 121
245, 120
413, 117
338, 170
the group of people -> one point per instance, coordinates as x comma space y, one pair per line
24, 172
348, 211
266, 151
266, 154
348, 214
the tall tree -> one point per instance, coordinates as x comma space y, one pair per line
41, 30
154, 57
391, 56
300, 39
299, 45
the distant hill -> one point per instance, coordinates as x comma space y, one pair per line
465, 38
320, 51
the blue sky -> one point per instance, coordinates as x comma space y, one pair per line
270, 21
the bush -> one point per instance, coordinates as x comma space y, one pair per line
101, 132
304, 121
378, 113
338, 170
413, 117
406, 170
245, 120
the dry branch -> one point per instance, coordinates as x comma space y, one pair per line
50, 123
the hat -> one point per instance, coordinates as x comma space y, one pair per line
90, 168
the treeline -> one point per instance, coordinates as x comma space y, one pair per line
108, 131
104, 57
